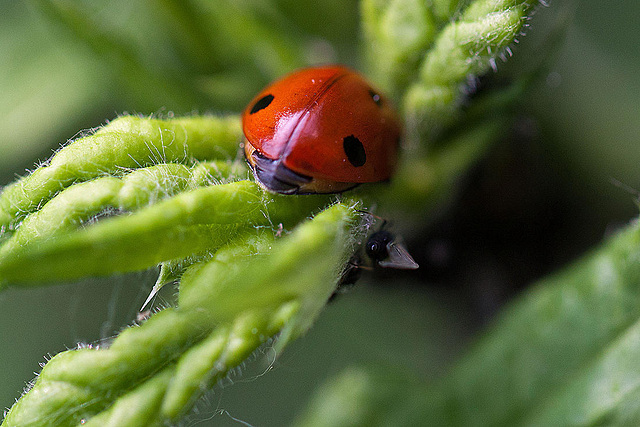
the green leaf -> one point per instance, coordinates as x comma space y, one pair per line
362, 396
548, 340
566, 353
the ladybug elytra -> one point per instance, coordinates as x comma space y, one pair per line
320, 130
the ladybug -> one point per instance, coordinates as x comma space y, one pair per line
320, 130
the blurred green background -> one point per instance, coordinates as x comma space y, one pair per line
542, 197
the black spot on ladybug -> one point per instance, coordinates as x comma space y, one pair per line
354, 150
261, 103
376, 98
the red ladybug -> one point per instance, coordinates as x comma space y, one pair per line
320, 130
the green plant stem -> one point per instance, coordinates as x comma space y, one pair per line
80, 203
126, 143
188, 223
153, 373
464, 47
424, 183
397, 34
445, 10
